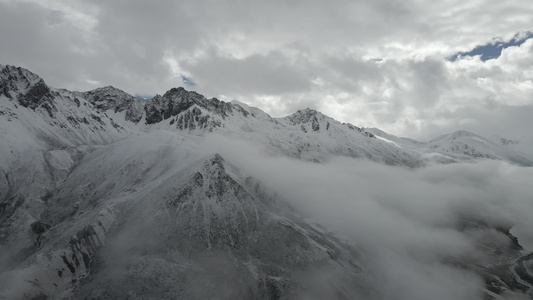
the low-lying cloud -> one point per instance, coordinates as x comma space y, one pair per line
406, 222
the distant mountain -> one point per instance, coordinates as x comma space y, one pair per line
523, 145
108, 196
105, 114
112, 99
459, 146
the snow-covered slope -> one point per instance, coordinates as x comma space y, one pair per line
465, 145
44, 132
106, 196
306, 134
523, 145
103, 115
160, 211
55, 117
459, 146
116, 101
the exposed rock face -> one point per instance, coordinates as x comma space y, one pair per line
110, 98
504, 267
28, 88
312, 120
193, 109
36, 95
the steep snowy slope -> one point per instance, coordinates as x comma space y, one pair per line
43, 133
55, 117
155, 216
45, 128
306, 134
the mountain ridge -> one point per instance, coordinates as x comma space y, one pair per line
179, 109
105, 195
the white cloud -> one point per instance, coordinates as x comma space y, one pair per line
405, 222
283, 56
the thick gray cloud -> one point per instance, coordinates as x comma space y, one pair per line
270, 74
371, 63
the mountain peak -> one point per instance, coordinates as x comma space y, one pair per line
455, 135
309, 110
16, 74
111, 98
108, 88
106, 92
28, 87
178, 100
178, 91
305, 116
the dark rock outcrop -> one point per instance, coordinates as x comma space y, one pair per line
178, 100
29, 89
111, 98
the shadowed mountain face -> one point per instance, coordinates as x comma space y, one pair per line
142, 223
107, 196
213, 231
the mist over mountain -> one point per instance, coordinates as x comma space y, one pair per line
104, 195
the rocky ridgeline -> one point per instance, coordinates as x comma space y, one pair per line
188, 110
111, 98
310, 118
29, 89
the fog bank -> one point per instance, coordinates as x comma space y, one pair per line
406, 222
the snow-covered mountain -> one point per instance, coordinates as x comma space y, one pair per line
105, 114
107, 196
459, 146
523, 145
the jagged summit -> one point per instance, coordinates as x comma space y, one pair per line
106, 90
304, 116
30, 89
308, 117
306, 134
104, 98
311, 120
116, 100
181, 92
18, 78
178, 100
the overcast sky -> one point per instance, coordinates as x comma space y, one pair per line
379, 63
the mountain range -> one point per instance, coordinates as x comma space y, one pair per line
104, 195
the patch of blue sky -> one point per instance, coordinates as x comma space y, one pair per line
493, 49
187, 81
